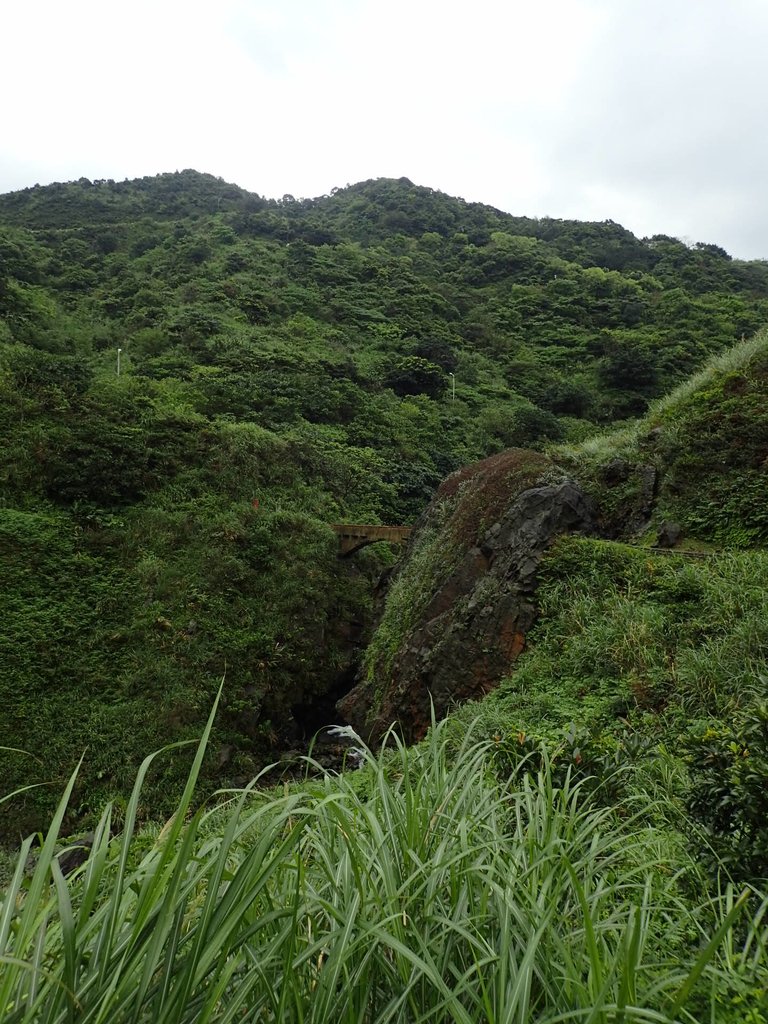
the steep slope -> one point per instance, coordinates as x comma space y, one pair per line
691, 476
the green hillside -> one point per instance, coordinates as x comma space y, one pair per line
298, 354
195, 383
639, 651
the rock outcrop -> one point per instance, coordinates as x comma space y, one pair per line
474, 619
690, 477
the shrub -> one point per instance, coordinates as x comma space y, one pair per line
728, 763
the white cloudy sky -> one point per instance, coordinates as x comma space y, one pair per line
648, 112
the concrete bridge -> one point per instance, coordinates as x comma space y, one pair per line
354, 537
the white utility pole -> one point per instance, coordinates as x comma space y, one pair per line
118, 361
453, 386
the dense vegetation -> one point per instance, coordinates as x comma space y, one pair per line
417, 889
194, 383
647, 668
301, 355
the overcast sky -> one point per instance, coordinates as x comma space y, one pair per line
651, 113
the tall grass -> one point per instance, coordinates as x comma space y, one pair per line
622, 634
732, 359
416, 889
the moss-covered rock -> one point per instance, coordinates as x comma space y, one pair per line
457, 615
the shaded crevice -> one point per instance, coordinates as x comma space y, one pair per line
319, 711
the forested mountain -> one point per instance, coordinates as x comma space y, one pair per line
282, 365
195, 383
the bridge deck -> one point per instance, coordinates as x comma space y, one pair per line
354, 536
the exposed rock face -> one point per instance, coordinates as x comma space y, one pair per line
669, 534
628, 497
474, 624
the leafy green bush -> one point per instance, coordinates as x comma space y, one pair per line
728, 764
413, 375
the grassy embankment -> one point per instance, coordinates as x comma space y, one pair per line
658, 666
418, 889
